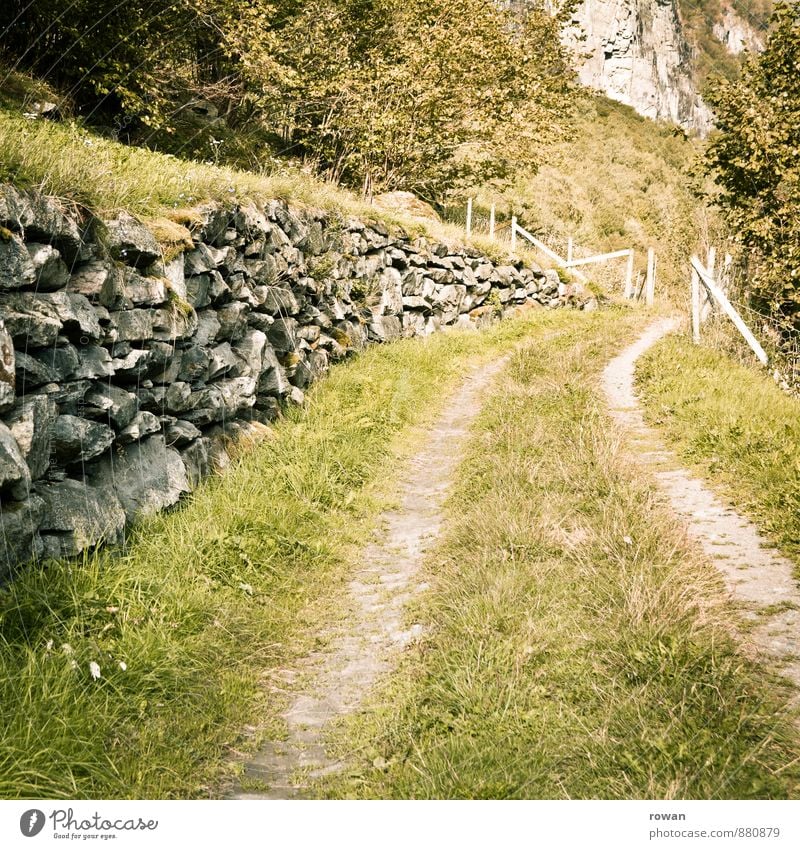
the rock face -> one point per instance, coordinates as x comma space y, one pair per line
737, 34
636, 53
122, 377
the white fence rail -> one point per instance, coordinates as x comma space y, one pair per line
571, 262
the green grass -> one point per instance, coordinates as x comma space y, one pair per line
208, 603
732, 423
576, 647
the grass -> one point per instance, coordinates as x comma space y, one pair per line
205, 605
735, 426
575, 646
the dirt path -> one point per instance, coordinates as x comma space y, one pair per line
758, 577
335, 681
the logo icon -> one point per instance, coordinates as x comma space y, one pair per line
31, 822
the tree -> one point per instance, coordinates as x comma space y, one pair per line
755, 158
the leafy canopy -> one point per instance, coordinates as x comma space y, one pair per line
383, 94
755, 158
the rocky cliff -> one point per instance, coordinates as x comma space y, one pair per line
635, 52
125, 366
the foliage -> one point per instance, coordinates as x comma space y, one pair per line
382, 94
754, 158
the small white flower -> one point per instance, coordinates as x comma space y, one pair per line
627, 540
122, 665
73, 664
49, 645
94, 668
67, 648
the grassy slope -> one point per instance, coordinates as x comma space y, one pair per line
207, 602
575, 646
734, 425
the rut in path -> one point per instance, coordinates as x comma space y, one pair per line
335, 682
758, 577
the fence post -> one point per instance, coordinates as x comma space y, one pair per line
513, 233
695, 307
629, 277
650, 287
491, 223
469, 217
705, 298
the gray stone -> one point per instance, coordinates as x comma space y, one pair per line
143, 425
208, 327
31, 321
89, 279
139, 290
414, 302
197, 291
199, 260
75, 439
94, 362
77, 516
282, 335
178, 398
133, 366
146, 476
31, 373
78, 318
221, 360
19, 524
197, 460
278, 300
16, 267
250, 351
31, 423
180, 433
385, 328
51, 271
133, 325
131, 242
194, 364
7, 369
111, 403
15, 475
173, 322
233, 321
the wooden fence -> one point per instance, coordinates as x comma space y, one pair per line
631, 289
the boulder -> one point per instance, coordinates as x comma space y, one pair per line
78, 440
19, 524
31, 321
31, 423
143, 425
129, 241
110, 403
77, 516
15, 476
7, 369
16, 267
76, 314
51, 271
133, 325
146, 476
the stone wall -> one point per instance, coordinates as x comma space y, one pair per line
125, 365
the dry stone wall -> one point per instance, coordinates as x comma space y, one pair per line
124, 370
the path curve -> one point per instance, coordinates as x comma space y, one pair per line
336, 681
758, 577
